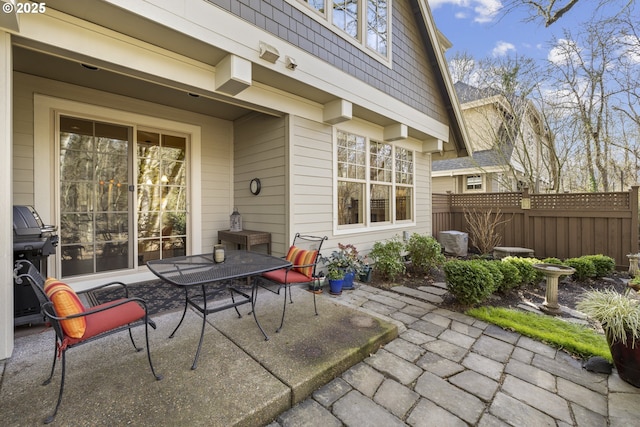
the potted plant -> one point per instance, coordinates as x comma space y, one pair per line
335, 276
366, 271
351, 261
619, 315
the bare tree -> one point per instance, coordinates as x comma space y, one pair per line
550, 11
506, 123
594, 74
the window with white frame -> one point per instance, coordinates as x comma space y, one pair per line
366, 22
474, 182
375, 181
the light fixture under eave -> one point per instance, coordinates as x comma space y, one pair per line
90, 67
268, 52
290, 63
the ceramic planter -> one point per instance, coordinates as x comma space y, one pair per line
365, 274
348, 280
335, 286
626, 360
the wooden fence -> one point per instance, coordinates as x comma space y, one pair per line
553, 225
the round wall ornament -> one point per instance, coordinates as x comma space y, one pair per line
255, 186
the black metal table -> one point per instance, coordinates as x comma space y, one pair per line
203, 271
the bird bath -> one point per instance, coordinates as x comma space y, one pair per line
552, 273
633, 264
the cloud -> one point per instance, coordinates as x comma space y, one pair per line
564, 52
502, 49
483, 11
486, 10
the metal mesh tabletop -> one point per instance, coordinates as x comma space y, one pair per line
199, 269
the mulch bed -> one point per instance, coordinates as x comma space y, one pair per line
570, 291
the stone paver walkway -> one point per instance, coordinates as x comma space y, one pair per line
449, 369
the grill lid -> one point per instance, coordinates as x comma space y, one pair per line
29, 233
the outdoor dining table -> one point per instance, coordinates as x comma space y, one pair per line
203, 271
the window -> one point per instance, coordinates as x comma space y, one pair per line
374, 180
474, 182
364, 21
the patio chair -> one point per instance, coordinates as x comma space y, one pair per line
304, 254
75, 325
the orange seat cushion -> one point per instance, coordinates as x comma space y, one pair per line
109, 319
66, 302
302, 257
279, 276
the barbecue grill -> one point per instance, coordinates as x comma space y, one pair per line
33, 241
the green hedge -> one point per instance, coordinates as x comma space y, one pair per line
470, 282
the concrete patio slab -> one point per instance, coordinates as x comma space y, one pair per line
310, 350
241, 379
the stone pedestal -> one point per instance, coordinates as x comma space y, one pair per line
552, 273
633, 264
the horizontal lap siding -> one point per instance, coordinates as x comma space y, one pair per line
311, 159
259, 152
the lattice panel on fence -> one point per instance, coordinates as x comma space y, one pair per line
581, 201
486, 200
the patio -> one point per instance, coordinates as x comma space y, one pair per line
241, 379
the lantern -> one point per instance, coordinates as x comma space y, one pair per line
235, 221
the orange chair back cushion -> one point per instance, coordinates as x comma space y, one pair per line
302, 257
66, 302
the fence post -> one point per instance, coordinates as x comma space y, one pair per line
525, 205
633, 205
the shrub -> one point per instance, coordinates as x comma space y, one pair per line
604, 265
528, 274
388, 258
470, 282
495, 271
425, 252
511, 277
552, 260
584, 267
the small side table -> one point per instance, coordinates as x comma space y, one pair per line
246, 238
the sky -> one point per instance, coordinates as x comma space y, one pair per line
479, 28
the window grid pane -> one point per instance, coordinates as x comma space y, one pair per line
381, 162
404, 203
474, 182
345, 16
316, 4
350, 203
404, 166
380, 203
377, 26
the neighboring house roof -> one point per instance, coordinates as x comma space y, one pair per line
479, 159
467, 93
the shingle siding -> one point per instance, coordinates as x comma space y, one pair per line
411, 77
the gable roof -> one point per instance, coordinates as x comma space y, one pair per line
436, 43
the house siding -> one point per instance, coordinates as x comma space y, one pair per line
311, 160
259, 152
411, 77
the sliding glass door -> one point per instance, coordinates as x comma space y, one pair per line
109, 221
161, 199
94, 198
